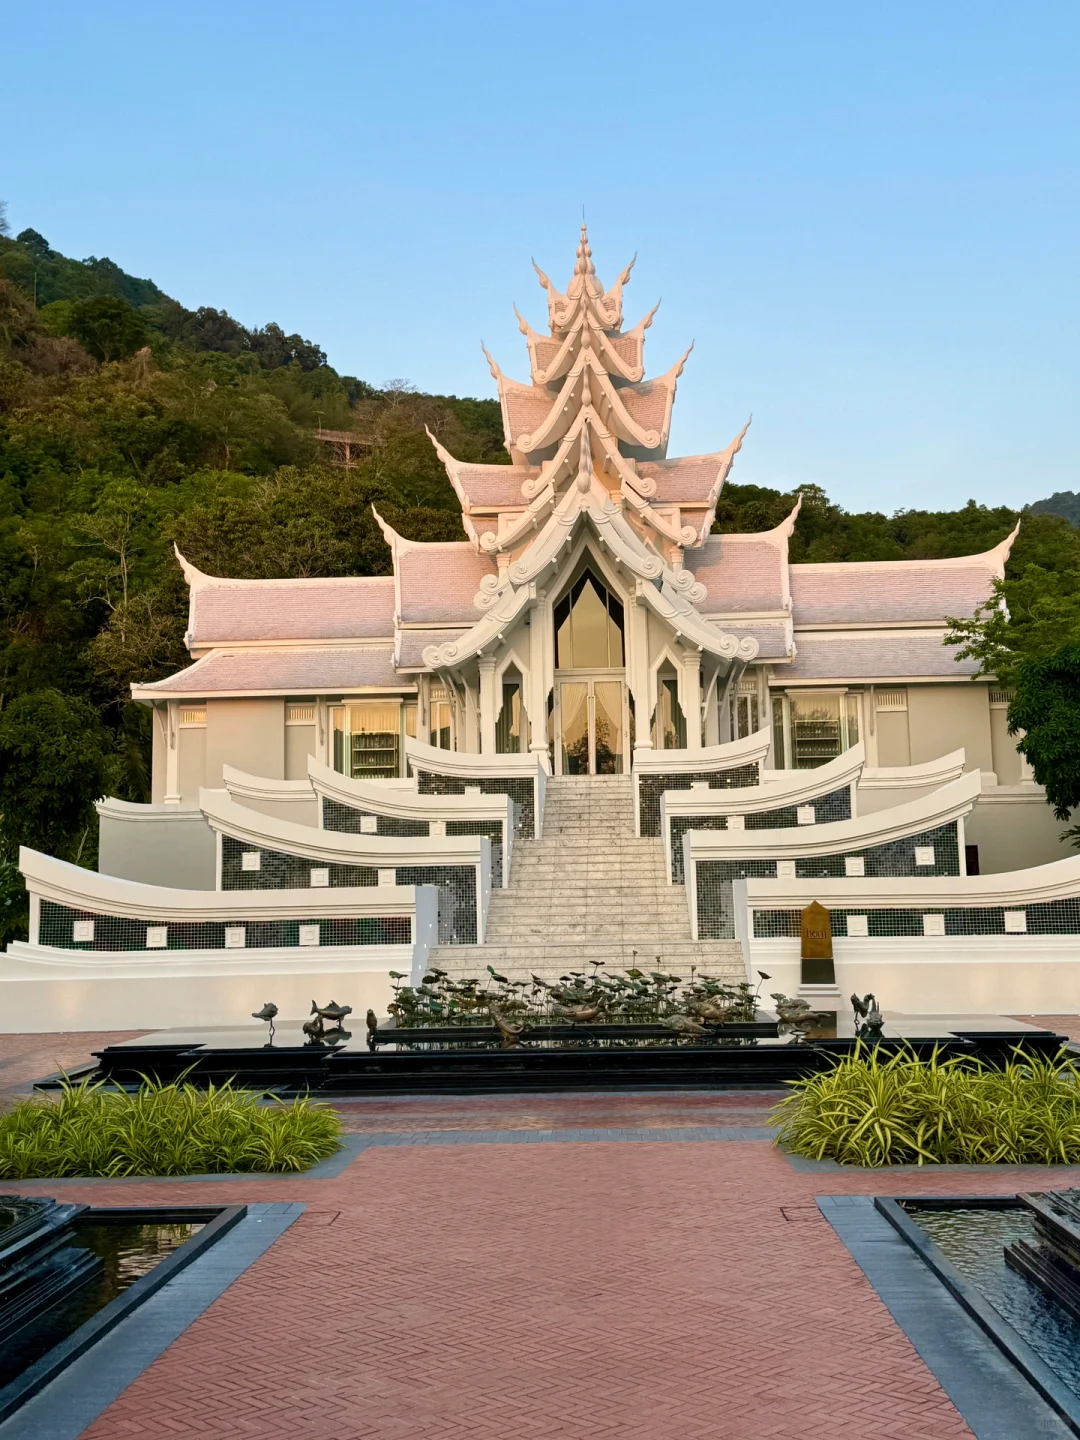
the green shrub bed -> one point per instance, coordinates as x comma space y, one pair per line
162, 1130
875, 1109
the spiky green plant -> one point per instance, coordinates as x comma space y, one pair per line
162, 1130
876, 1109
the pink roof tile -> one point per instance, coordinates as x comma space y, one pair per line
438, 582
887, 655
497, 486
280, 672
648, 404
224, 611
740, 572
895, 590
772, 639
685, 481
414, 642
527, 407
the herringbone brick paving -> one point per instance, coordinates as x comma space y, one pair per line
593, 1291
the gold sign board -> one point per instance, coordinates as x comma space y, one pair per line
817, 956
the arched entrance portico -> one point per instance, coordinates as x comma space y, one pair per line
590, 719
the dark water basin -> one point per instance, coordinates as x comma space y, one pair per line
128, 1252
133, 1252
973, 1241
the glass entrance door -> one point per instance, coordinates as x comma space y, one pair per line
591, 726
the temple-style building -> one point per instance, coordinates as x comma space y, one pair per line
589, 733
590, 612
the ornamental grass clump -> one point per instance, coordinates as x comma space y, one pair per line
162, 1130
874, 1109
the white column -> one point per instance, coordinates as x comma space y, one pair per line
540, 678
172, 753
691, 689
488, 707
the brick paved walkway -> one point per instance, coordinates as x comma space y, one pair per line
597, 1290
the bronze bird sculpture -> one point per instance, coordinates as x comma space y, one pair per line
511, 1033
683, 1025
580, 1013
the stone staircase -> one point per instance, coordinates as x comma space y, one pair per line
589, 890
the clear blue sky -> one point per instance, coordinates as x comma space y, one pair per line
866, 215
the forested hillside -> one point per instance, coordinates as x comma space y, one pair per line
128, 422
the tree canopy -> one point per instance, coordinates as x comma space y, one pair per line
128, 423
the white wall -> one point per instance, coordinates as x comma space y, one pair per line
959, 975
1014, 829
38, 998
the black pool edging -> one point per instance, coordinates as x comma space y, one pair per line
1053, 1390
64, 1409
993, 1396
218, 1220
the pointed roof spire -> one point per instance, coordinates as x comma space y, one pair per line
584, 265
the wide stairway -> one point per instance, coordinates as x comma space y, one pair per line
589, 890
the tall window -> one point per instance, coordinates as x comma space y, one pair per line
589, 627
669, 726
440, 720
820, 727
510, 726
367, 739
746, 709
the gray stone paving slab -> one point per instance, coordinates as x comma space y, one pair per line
995, 1399
75, 1399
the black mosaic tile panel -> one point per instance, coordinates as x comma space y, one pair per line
715, 900
522, 793
284, 872
895, 858
1057, 917
493, 830
457, 898
291, 872
651, 787
836, 805
112, 932
346, 819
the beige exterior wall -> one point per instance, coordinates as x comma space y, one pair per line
191, 745
891, 733
1015, 832
945, 717
249, 734
299, 744
1007, 765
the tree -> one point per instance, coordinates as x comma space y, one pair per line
5, 228
1045, 708
55, 762
108, 328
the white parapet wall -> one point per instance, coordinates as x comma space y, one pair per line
889, 841
155, 844
320, 851
382, 807
449, 771
108, 954
656, 771
702, 807
1006, 944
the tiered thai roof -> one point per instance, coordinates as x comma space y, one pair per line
587, 374
587, 438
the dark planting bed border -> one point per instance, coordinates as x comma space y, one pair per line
744, 1062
